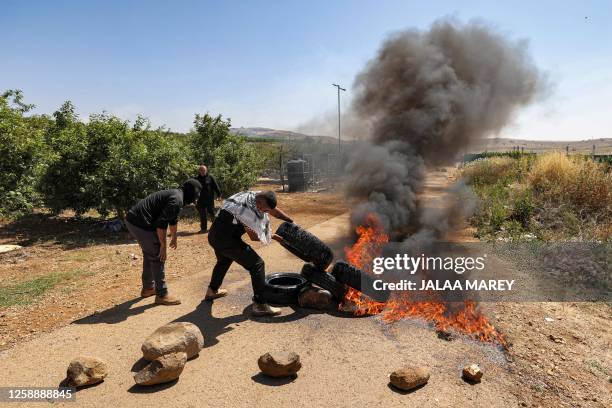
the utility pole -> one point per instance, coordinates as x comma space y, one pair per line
339, 89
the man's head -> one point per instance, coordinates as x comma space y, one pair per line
265, 201
203, 170
191, 191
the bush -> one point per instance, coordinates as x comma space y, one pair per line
494, 170
106, 165
577, 181
554, 195
523, 209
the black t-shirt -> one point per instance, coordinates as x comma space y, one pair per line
224, 233
209, 188
157, 210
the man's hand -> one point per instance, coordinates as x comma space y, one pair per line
173, 243
162, 253
161, 236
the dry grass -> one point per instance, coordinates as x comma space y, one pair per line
490, 170
576, 181
553, 195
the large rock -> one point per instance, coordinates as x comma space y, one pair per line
472, 373
86, 371
409, 377
162, 370
315, 298
173, 338
279, 364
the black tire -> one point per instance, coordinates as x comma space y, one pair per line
284, 288
360, 280
324, 280
304, 245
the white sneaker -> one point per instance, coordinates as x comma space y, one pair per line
264, 309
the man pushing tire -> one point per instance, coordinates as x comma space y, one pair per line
245, 212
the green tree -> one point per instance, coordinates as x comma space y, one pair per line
231, 159
22, 151
108, 165
236, 165
210, 133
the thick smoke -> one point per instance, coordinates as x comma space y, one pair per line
426, 96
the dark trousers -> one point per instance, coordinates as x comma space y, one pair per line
232, 249
203, 209
153, 274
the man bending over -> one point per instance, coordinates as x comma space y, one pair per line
148, 221
244, 212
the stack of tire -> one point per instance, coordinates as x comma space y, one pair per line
318, 256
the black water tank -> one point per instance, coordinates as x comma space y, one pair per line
296, 175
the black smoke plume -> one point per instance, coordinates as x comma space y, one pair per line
426, 96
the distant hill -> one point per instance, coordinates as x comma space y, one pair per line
602, 146
267, 133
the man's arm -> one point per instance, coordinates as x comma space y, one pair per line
161, 235
216, 187
252, 235
172, 234
280, 214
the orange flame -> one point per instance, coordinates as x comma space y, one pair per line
466, 320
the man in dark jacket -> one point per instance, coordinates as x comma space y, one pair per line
148, 221
206, 203
245, 212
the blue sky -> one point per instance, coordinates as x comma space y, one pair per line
271, 63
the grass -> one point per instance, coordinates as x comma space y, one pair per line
28, 291
553, 195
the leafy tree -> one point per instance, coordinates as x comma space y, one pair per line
108, 165
66, 182
22, 152
235, 163
210, 133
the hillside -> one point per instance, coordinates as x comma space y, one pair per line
267, 133
602, 146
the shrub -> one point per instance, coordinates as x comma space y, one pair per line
106, 165
522, 209
497, 169
580, 182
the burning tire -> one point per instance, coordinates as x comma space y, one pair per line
284, 288
324, 280
358, 279
304, 245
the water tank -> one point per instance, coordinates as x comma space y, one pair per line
296, 175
